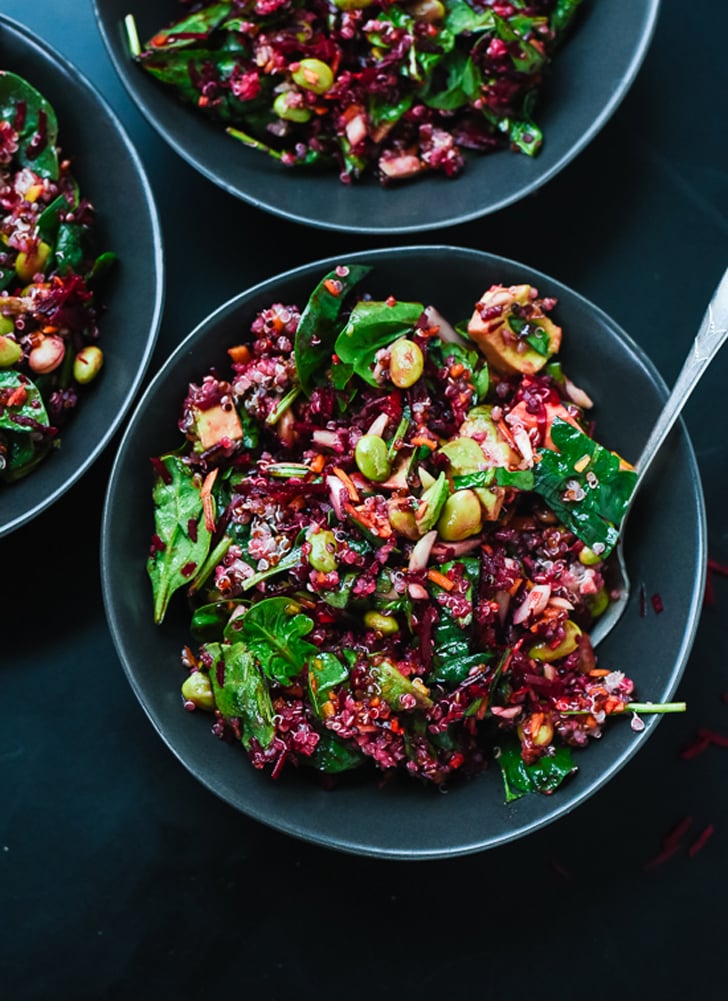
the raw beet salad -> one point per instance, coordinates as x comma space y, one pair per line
48, 308
393, 90
392, 533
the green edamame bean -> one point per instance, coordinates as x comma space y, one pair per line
313, 75
461, 516
387, 625
371, 458
287, 106
588, 557
6, 325
87, 364
406, 363
542, 651
323, 551
10, 351
197, 689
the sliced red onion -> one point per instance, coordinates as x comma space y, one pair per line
379, 425
324, 438
447, 332
450, 550
421, 552
577, 395
337, 495
534, 603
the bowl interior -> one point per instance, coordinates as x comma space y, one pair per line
111, 176
586, 83
665, 552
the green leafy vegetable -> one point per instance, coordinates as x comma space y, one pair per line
585, 485
38, 134
274, 629
543, 776
182, 534
370, 327
321, 322
243, 694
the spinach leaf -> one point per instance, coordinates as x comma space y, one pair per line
371, 326
562, 15
195, 28
325, 672
35, 122
183, 538
590, 474
544, 775
209, 621
321, 322
453, 657
30, 404
241, 692
274, 629
332, 755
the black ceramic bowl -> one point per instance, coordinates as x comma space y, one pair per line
587, 82
111, 175
665, 550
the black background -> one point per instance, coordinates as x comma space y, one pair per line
121, 877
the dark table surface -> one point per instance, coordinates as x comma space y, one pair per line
121, 877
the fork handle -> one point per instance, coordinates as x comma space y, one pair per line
710, 337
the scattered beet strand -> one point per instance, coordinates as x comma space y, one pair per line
661, 857
695, 747
696, 846
713, 737
673, 838
657, 603
716, 567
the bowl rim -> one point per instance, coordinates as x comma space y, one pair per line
60, 64
561, 807
476, 212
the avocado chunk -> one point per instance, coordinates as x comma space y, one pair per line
217, 423
512, 331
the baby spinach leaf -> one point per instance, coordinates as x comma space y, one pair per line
195, 28
453, 657
562, 15
241, 692
180, 527
209, 621
325, 672
30, 406
592, 475
321, 322
371, 326
544, 775
34, 120
332, 755
274, 629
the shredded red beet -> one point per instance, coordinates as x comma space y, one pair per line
700, 841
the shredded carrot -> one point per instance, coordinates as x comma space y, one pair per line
348, 483
240, 353
457, 369
50, 329
422, 440
599, 672
333, 287
206, 494
439, 578
506, 432
317, 463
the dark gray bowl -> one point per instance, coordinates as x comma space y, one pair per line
111, 175
588, 81
666, 549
